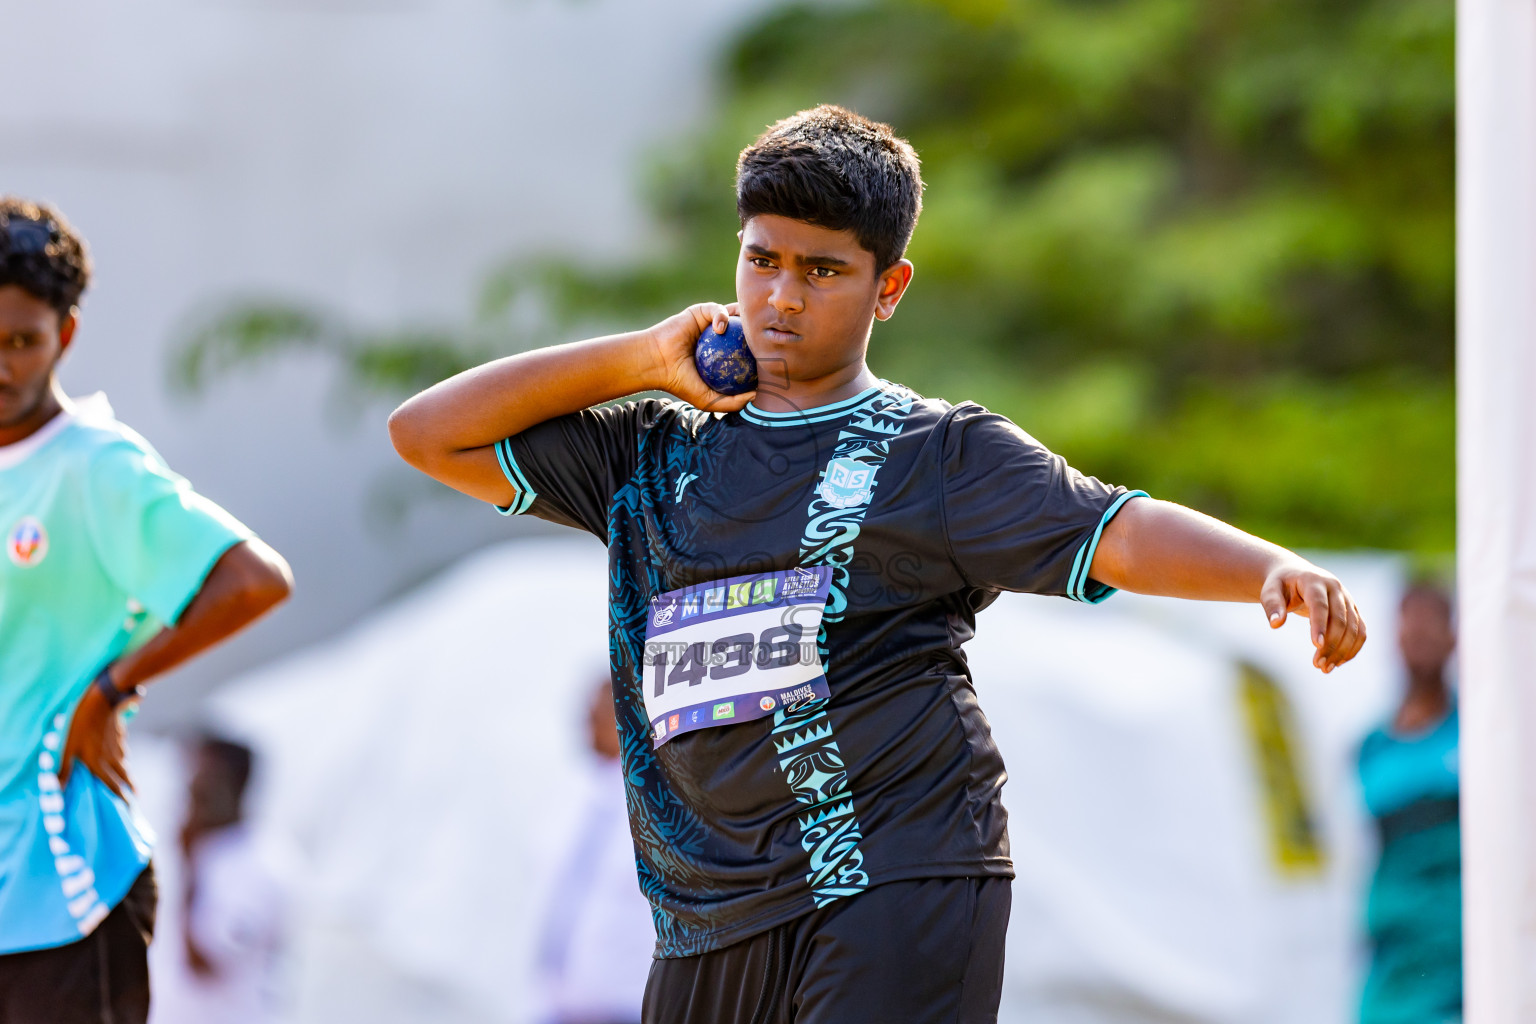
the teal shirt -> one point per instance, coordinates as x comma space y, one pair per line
103, 545
1413, 914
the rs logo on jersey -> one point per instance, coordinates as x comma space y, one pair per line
846, 483
27, 543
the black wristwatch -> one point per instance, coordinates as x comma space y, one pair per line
112, 693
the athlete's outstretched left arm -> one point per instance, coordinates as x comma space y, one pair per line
1157, 547
247, 580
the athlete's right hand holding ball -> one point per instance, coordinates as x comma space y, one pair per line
674, 340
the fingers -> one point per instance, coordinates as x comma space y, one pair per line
1314, 593
727, 403
716, 315
1338, 628
1272, 599
1354, 637
114, 758
708, 315
1334, 623
735, 403
1351, 633
103, 754
116, 781
1338, 620
109, 763
119, 785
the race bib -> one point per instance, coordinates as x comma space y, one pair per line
733, 650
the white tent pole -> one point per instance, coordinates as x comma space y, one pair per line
1496, 495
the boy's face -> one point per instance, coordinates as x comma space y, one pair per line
808, 296
32, 339
1425, 635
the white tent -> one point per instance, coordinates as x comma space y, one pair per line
423, 761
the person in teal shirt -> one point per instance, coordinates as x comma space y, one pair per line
113, 571
1409, 774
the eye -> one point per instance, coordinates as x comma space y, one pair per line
823, 272
761, 261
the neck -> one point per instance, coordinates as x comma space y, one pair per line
1426, 702
51, 405
808, 394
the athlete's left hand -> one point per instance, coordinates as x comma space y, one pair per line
98, 740
1336, 626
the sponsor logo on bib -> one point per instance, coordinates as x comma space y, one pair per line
801, 584
664, 614
767, 703
27, 543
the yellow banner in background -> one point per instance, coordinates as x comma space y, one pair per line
1288, 809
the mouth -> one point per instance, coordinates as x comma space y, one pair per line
779, 333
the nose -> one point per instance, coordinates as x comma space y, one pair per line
787, 296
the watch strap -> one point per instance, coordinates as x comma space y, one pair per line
111, 692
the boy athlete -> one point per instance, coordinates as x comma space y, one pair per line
813, 789
114, 571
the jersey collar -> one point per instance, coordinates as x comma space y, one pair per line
90, 407
817, 414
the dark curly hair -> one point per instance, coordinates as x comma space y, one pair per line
831, 167
42, 254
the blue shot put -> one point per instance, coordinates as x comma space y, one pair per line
724, 361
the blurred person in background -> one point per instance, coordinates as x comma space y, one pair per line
115, 571
1408, 770
233, 903
598, 936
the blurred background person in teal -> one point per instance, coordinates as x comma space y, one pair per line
1409, 772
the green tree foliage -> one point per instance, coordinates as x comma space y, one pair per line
1199, 247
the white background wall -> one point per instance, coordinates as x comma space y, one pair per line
373, 156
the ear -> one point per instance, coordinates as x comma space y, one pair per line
892, 286
67, 325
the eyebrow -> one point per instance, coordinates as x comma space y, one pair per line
813, 260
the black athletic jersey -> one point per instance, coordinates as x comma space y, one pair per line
924, 512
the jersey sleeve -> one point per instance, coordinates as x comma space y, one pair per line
1016, 516
155, 536
567, 470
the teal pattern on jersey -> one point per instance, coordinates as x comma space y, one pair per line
663, 826
809, 756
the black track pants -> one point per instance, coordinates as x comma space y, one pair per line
102, 979
928, 951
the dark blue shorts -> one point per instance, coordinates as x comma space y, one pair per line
927, 951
